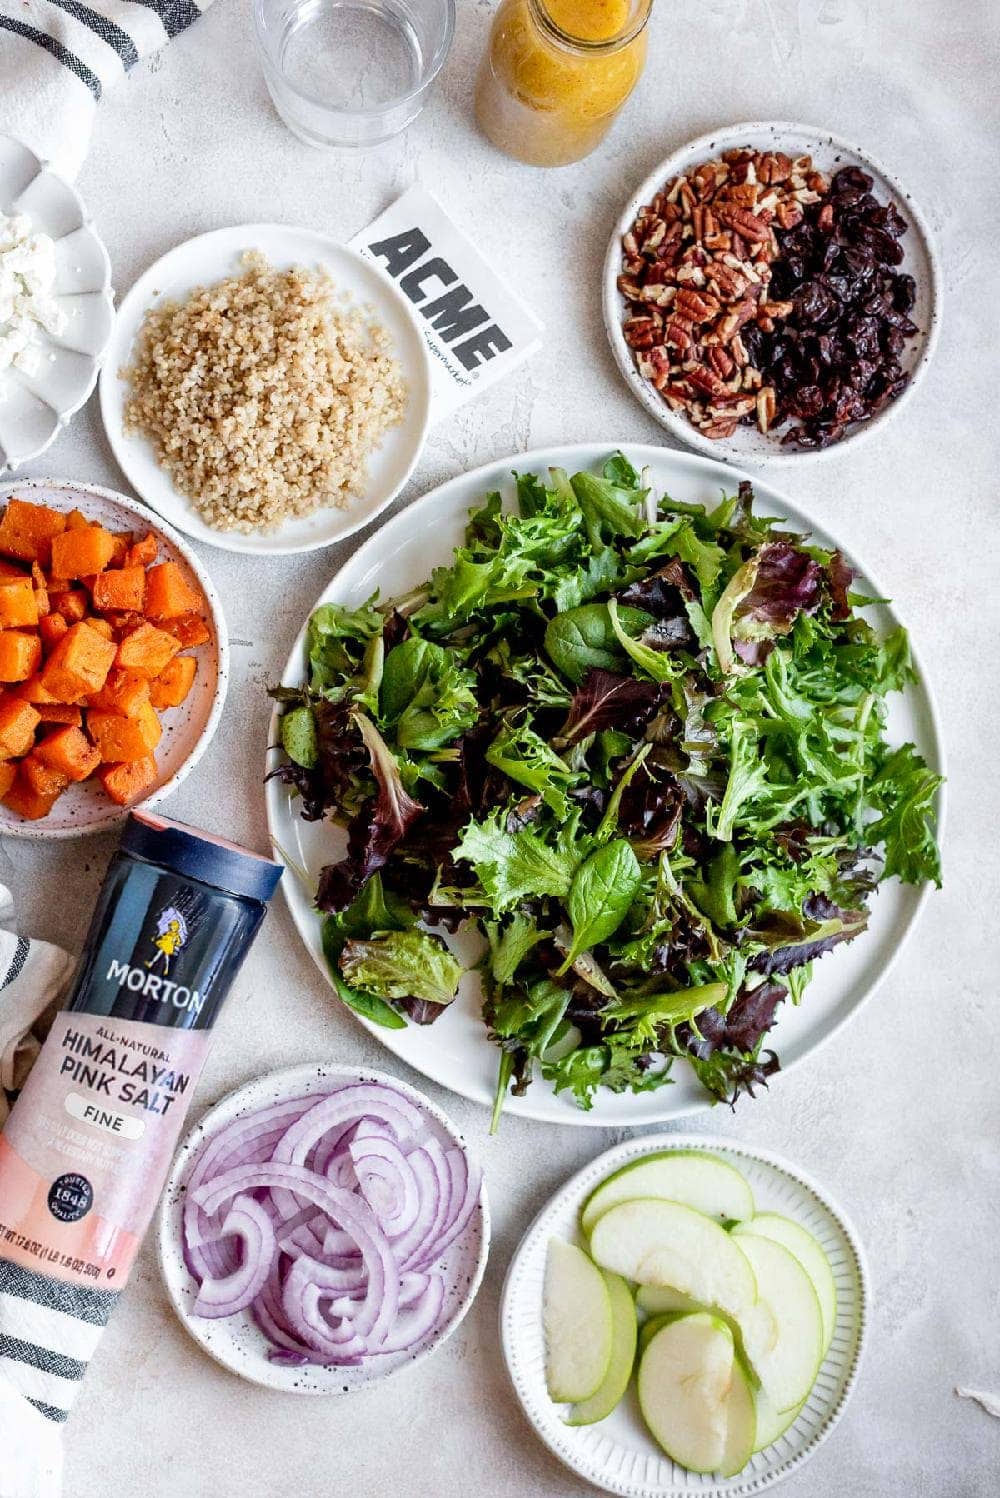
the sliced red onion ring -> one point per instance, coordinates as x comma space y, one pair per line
385, 1177
412, 1327
322, 1216
248, 1221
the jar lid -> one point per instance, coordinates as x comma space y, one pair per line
201, 855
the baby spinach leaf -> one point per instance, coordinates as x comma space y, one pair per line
600, 896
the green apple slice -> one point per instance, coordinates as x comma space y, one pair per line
814, 1261
683, 1386
624, 1330
696, 1180
771, 1423
576, 1314
741, 1423
666, 1244
694, 1395
783, 1337
659, 1300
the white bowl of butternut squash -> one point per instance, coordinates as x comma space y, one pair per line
114, 658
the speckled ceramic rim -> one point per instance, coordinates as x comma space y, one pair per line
854, 1273
267, 1089
64, 413
152, 522
707, 146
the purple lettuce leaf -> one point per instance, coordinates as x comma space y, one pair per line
606, 700
375, 831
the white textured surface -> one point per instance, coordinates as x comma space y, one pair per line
900, 1115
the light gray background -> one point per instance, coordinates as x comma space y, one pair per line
898, 1116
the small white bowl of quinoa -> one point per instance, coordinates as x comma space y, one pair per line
267, 389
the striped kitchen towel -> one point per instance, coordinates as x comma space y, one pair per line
48, 1330
58, 56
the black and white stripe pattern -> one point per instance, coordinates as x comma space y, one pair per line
48, 1329
48, 1333
57, 57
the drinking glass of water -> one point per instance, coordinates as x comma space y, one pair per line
351, 72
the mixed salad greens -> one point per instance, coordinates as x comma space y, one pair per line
641, 745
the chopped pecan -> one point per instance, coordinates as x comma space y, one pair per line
766, 408
744, 223
720, 427
697, 306
641, 332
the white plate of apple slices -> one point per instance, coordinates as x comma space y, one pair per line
685, 1317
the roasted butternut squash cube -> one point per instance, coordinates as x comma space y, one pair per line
27, 800
121, 540
189, 629
101, 626
20, 655
79, 664
146, 650
169, 594
69, 752
51, 630
8, 771
10, 571
122, 739
173, 683
120, 588
124, 692
59, 712
142, 553
18, 721
40, 584
126, 783
78, 553
72, 605
76, 520
18, 605
27, 530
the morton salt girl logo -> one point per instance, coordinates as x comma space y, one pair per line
171, 934
152, 979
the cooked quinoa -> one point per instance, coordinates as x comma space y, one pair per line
263, 396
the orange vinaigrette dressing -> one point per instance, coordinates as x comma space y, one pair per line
556, 73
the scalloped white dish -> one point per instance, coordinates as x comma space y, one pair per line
236, 1341
830, 152
35, 407
188, 729
618, 1454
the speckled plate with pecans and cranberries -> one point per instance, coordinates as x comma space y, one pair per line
770, 293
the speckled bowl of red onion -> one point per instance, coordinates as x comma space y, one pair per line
322, 1228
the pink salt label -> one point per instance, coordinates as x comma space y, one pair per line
86, 1150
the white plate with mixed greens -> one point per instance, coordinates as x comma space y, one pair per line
641, 758
697, 1393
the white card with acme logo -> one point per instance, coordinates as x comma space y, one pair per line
476, 329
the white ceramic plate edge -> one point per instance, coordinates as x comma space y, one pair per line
366, 559
576, 1189
170, 1258
140, 297
714, 141
153, 521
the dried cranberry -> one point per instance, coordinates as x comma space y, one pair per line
850, 177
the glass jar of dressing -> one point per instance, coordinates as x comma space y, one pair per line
556, 73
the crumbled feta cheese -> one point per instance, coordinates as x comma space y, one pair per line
27, 276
